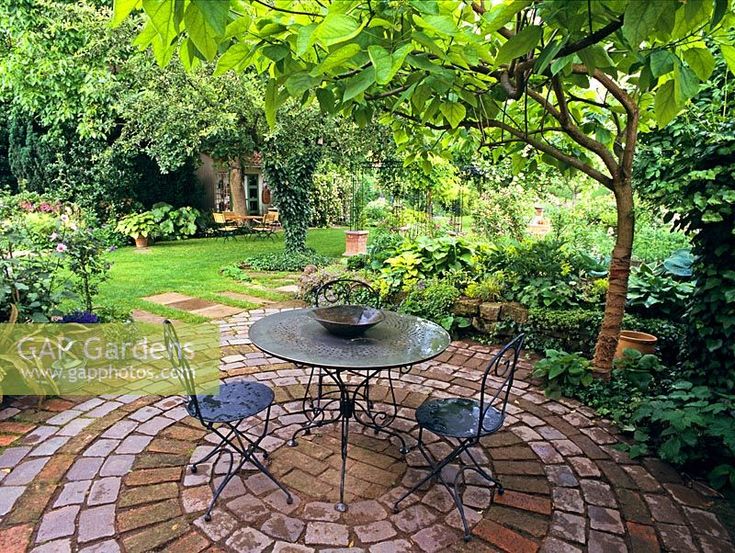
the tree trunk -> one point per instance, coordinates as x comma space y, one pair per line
239, 201
617, 292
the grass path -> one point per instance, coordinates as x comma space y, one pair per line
192, 267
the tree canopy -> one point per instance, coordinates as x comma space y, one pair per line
576, 81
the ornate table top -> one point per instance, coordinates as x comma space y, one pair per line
400, 340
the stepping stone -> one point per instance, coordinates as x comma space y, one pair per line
244, 297
167, 298
146, 317
217, 311
288, 289
191, 304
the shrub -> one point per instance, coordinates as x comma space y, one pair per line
285, 261
175, 223
577, 329
690, 426
427, 258
489, 288
314, 277
543, 273
502, 212
377, 211
434, 300
562, 373
236, 273
382, 244
56, 243
655, 293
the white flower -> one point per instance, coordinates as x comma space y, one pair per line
61, 247
53, 236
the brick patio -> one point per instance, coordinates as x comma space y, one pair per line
108, 474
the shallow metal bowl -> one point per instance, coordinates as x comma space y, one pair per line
347, 320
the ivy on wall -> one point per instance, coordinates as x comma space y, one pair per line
690, 168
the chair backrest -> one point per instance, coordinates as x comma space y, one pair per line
180, 364
270, 217
502, 367
346, 291
219, 217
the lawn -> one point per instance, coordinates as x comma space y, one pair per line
192, 267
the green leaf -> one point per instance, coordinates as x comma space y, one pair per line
271, 99
305, 38
687, 84
640, 19
121, 9
595, 56
161, 14
520, 44
275, 52
719, 12
336, 58
662, 62
359, 83
547, 55
190, 56
453, 112
233, 58
382, 61
204, 37
337, 28
499, 14
397, 59
300, 82
442, 24
214, 13
326, 99
701, 61
665, 105
728, 52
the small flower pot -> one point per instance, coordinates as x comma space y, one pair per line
640, 341
356, 242
141, 241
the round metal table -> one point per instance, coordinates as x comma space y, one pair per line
399, 342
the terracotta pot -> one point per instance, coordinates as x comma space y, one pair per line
141, 241
356, 242
640, 341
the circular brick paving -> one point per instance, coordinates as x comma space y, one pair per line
109, 474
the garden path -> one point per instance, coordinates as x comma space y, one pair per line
109, 474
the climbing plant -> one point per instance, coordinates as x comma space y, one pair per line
291, 155
690, 168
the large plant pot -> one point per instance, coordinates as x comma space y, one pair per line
141, 241
640, 341
356, 242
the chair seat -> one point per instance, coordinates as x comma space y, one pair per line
234, 401
457, 417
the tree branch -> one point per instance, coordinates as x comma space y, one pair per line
553, 151
286, 10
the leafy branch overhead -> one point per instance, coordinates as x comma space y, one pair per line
458, 66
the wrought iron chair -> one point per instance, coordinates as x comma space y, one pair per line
461, 422
223, 414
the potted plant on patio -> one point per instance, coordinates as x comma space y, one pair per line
139, 226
